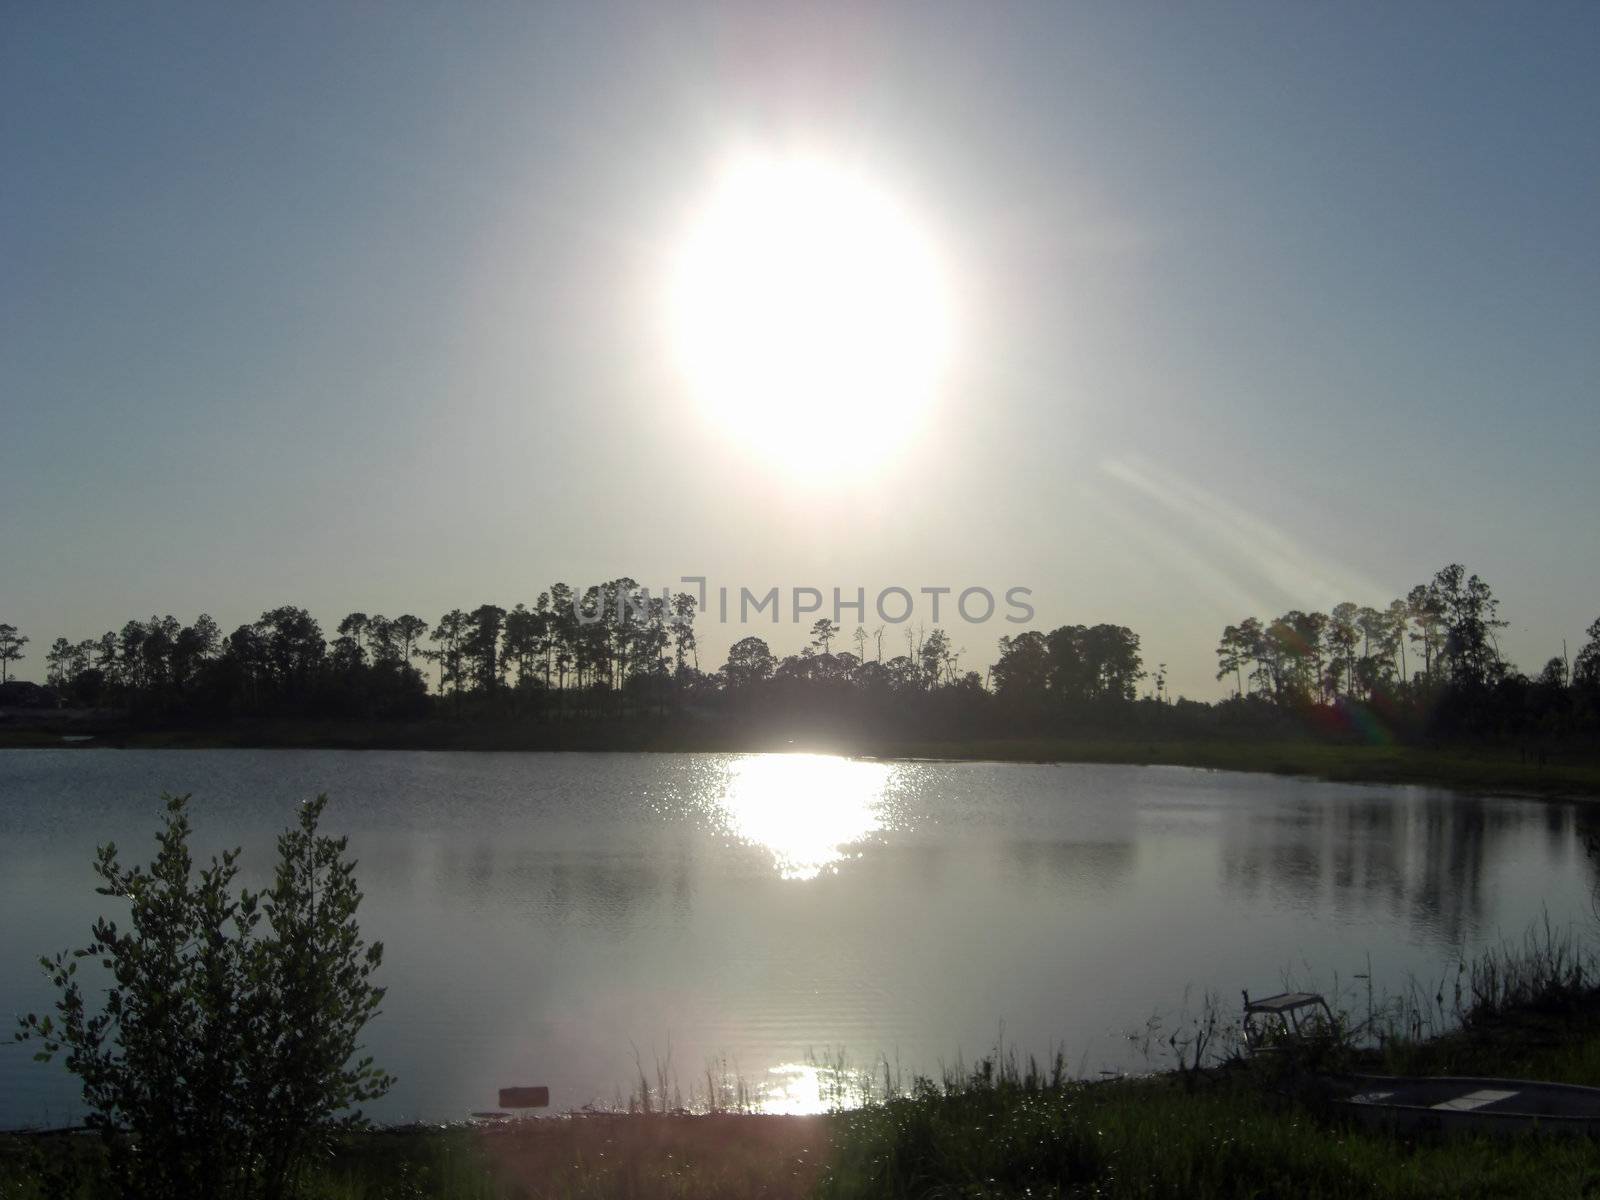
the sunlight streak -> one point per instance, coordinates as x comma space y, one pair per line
1247, 549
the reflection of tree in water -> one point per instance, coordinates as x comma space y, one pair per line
1586, 828
1559, 822
602, 892
1448, 895
611, 892
1098, 865
933, 867
1419, 857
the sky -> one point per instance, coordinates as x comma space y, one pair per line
363, 307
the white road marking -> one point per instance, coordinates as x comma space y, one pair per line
1474, 1100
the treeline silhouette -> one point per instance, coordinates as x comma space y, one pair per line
1425, 665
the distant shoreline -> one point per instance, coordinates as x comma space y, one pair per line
1562, 773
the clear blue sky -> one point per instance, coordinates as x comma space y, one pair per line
355, 307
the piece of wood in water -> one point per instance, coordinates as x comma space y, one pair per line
525, 1097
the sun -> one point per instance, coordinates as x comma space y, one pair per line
811, 315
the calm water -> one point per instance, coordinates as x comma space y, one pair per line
544, 916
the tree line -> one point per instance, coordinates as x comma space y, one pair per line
1431, 656
606, 650
1427, 661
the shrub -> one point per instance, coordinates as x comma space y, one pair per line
225, 1054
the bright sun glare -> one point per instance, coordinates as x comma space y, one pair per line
807, 810
811, 314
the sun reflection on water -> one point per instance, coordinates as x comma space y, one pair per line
805, 809
803, 1089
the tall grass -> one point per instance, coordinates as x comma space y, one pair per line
1152, 1137
1550, 968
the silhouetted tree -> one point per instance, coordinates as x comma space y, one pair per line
520, 645
59, 663
1232, 654
193, 650
1398, 620
1422, 603
449, 637
684, 607
1471, 615
1023, 671
481, 646
1586, 667
822, 633
935, 657
409, 630
750, 661
355, 627
11, 644
292, 648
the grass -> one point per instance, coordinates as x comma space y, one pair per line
1157, 1137
1144, 1139
997, 1133
615, 1156
1526, 1010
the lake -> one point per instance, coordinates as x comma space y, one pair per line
566, 919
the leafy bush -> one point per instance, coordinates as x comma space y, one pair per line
224, 1056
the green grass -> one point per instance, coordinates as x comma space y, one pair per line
1155, 1137
1260, 1128
1525, 1010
